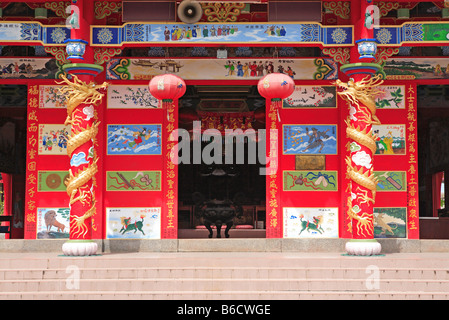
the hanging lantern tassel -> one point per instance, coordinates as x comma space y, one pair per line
277, 104
166, 103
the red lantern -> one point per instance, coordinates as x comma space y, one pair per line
276, 87
166, 88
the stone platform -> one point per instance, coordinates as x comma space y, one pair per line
224, 276
226, 245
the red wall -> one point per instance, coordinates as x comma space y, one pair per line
106, 199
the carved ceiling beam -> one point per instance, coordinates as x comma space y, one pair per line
59, 53
341, 9
383, 54
102, 55
340, 55
58, 7
104, 9
222, 12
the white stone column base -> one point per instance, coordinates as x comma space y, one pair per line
79, 248
363, 247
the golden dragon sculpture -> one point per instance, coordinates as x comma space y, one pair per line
76, 93
360, 96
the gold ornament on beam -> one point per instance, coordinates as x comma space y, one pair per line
340, 55
58, 7
222, 12
341, 9
102, 55
104, 9
59, 53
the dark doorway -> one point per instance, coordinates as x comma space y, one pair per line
13, 106
222, 179
433, 160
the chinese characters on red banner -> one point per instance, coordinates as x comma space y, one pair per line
169, 223
31, 162
412, 171
274, 214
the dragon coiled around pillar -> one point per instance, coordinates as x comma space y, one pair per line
76, 93
369, 181
362, 91
360, 97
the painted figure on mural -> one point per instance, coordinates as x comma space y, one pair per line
167, 34
134, 139
253, 68
245, 69
239, 69
438, 71
387, 143
290, 72
283, 31
138, 138
315, 139
16, 68
260, 69
276, 31
270, 67
55, 138
230, 67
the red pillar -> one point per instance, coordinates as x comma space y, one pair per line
82, 98
360, 92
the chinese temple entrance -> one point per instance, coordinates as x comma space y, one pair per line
220, 169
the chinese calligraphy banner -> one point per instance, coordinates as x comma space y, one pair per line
412, 173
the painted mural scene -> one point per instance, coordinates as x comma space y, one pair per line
133, 124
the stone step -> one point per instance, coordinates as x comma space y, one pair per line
225, 284
122, 261
223, 295
220, 276
224, 273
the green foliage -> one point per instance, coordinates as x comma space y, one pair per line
397, 98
